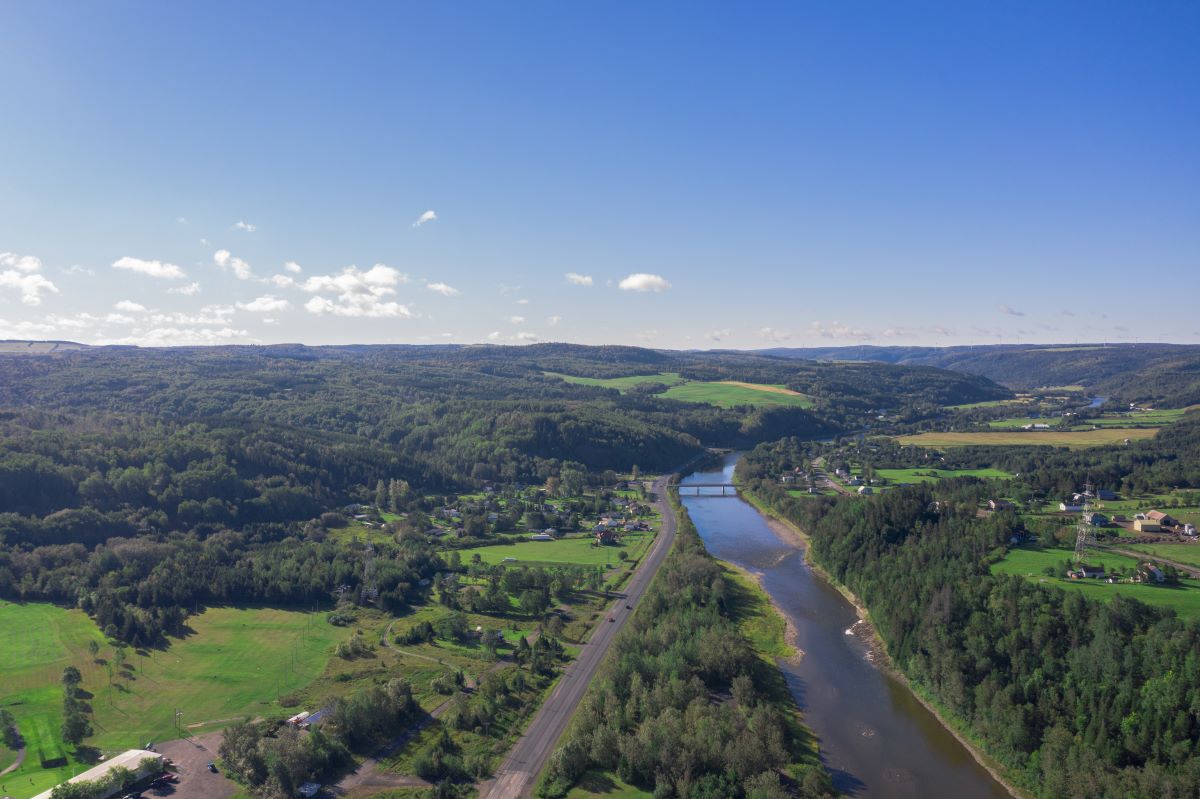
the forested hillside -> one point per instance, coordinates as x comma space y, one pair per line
1164, 374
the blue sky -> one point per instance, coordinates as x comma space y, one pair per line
666, 174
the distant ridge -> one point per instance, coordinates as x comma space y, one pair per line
12, 346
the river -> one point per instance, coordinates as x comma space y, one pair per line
876, 739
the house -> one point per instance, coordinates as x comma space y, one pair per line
1097, 519
1000, 504
1146, 526
1069, 507
1035, 426
1085, 571
1160, 517
1105, 494
1149, 573
855, 481
1119, 517
866, 490
606, 536
541, 537
299, 719
141, 762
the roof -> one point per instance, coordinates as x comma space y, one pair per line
129, 760
1157, 515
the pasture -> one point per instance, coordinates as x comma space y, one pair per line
1180, 553
1031, 563
570, 551
933, 475
1082, 439
235, 662
732, 393
1019, 422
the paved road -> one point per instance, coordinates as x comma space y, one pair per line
520, 769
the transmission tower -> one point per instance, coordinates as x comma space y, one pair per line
1084, 537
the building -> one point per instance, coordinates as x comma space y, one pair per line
1085, 572
1097, 519
1189, 529
606, 536
541, 537
1149, 573
1067, 507
1000, 504
1146, 526
140, 761
1105, 494
866, 490
1163, 519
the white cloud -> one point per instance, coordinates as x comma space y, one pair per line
76, 269
180, 337
226, 260
525, 335
428, 216
189, 290
292, 267
771, 334
718, 335
181, 220
245, 226
516, 320
443, 289
205, 243
155, 269
553, 320
21, 263
119, 319
494, 335
640, 281
129, 306
522, 301
895, 332
208, 315
576, 279
282, 281
21, 272
837, 330
1004, 309
265, 304
358, 293
648, 335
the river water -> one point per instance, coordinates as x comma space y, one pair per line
876, 739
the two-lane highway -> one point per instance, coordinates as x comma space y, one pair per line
517, 773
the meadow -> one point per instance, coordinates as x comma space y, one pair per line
1031, 563
235, 662
1180, 553
1082, 439
1018, 422
621, 384
932, 475
574, 550
729, 394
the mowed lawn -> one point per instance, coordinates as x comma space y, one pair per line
1030, 564
932, 475
1180, 553
236, 663
1082, 439
577, 551
731, 393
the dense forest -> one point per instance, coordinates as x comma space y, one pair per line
682, 705
1163, 374
1077, 698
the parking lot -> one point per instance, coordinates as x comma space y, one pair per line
191, 757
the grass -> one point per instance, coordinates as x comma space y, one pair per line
729, 394
1159, 418
1019, 422
570, 550
237, 662
621, 384
926, 475
1082, 439
1180, 553
1030, 563
757, 618
989, 404
610, 786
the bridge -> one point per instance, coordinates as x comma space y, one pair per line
685, 489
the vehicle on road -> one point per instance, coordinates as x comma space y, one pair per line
212, 767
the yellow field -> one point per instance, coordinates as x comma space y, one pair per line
1048, 438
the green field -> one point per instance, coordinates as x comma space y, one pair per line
725, 393
989, 404
621, 384
1150, 418
729, 394
1049, 438
1030, 563
595, 784
931, 475
236, 662
563, 551
1019, 422
1180, 553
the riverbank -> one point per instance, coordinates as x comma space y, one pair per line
790, 533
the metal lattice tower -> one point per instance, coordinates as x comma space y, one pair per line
1084, 537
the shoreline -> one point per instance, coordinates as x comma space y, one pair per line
791, 635
790, 533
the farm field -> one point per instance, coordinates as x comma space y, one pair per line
990, 404
237, 662
563, 551
1030, 563
931, 475
621, 384
1151, 418
728, 394
1180, 553
1048, 438
1019, 422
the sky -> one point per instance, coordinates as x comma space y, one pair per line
674, 174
